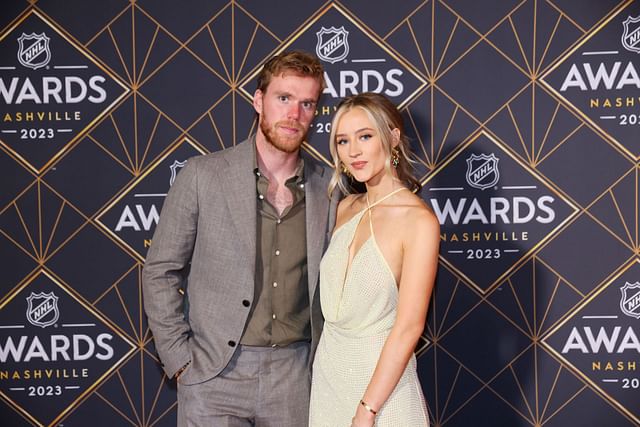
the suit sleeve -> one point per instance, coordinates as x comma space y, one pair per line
165, 270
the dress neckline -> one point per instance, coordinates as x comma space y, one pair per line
370, 205
371, 238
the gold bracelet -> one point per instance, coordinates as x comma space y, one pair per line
368, 408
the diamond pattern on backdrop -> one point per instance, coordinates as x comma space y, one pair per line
181, 77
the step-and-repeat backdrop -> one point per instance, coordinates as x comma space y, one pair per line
525, 115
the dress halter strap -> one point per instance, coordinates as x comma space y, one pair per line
370, 205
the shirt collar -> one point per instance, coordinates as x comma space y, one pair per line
298, 176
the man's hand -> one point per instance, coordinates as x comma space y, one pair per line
181, 370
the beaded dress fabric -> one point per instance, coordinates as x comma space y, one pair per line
359, 303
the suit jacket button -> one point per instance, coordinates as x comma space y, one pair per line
246, 303
232, 343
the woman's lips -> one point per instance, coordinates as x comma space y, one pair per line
358, 165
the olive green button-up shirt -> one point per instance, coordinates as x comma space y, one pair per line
280, 313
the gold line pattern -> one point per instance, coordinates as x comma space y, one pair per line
526, 302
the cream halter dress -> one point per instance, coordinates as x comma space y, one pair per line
359, 308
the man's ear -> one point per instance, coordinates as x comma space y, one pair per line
257, 101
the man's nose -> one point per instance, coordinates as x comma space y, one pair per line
293, 113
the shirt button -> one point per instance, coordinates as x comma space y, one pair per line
246, 303
301, 185
277, 252
232, 343
275, 284
260, 196
278, 221
273, 316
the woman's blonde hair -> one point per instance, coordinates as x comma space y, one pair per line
385, 117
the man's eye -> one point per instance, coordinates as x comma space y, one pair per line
283, 98
307, 105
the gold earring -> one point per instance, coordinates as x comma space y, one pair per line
395, 157
345, 170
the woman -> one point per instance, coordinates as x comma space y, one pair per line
376, 277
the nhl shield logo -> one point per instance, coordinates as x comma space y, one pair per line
34, 50
174, 170
333, 45
482, 171
42, 309
631, 34
630, 301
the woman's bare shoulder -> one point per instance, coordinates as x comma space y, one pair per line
417, 218
347, 207
349, 202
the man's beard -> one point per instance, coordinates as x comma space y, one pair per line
283, 143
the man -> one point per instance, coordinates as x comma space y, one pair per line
247, 226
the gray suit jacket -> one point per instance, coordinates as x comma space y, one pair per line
207, 231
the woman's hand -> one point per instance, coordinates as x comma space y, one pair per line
363, 418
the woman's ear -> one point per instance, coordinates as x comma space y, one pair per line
395, 137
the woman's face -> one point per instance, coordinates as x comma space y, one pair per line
359, 147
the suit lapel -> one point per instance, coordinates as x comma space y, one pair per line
317, 206
239, 189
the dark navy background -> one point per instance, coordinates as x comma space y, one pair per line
477, 77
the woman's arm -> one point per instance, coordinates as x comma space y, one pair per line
420, 242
